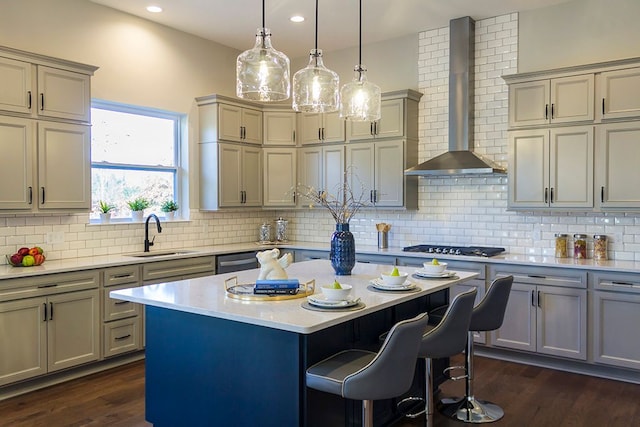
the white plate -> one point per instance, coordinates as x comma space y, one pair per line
443, 275
379, 284
322, 301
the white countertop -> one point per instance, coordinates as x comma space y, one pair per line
87, 263
207, 296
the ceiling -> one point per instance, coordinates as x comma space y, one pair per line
233, 23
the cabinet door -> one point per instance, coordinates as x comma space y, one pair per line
114, 309
617, 171
73, 329
571, 167
252, 176
64, 94
252, 126
518, 330
562, 322
229, 175
333, 168
310, 171
310, 128
391, 123
333, 127
389, 173
360, 168
529, 103
279, 176
15, 89
23, 340
360, 130
616, 316
572, 99
528, 173
279, 128
618, 94
229, 122
16, 163
64, 166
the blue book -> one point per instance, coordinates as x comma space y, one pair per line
277, 284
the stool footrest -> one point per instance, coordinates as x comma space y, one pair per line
470, 410
447, 374
412, 401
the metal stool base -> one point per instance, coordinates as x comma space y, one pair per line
470, 410
410, 403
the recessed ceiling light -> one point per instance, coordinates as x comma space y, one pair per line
154, 9
296, 18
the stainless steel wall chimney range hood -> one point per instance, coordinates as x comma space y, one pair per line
460, 159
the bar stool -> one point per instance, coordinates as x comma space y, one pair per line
443, 340
488, 315
368, 376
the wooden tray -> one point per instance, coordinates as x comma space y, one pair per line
245, 291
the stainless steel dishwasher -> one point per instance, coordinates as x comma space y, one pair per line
236, 262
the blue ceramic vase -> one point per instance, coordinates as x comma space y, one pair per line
343, 250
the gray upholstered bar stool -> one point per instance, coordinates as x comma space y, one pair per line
368, 376
488, 315
445, 339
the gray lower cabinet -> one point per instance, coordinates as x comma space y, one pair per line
178, 269
616, 316
48, 323
122, 326
546, 312
308, 255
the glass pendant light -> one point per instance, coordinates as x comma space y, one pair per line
315, 87
262, 73
360, 99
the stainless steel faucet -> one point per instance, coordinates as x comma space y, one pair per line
147, 243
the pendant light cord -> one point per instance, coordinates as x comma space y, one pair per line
360, 37
263, 14
316, 25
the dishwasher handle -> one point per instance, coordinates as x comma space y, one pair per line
237, 262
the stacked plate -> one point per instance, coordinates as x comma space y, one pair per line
422, 274
320, 300
378, 283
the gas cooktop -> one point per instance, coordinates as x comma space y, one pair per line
483, 251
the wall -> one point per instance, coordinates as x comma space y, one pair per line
578, 32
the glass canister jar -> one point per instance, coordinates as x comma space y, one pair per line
580, 246
561, 245
281, 229
265, 233
600, 247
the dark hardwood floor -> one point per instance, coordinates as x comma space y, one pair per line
530, 396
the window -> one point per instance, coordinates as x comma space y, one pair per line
134, 154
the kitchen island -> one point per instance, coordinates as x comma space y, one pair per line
212, 360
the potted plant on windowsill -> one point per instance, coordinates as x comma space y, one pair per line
169, 207
105, 209
137, 206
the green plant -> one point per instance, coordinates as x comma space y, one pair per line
169, 206
105, 207
138, 204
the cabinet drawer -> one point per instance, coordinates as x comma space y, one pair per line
120, 275
121, 336
113, 309
616, 282
49, 284
541, 276
175, 269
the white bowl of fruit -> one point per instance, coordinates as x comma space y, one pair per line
434, 266
394, 277
336, 291
26, 257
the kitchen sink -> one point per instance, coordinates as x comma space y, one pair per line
157, 254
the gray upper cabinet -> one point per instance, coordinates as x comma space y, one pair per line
224, 119
558, 100
321, 128
618, 94
45, 110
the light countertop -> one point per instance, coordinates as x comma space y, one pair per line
87, 263
207, 296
